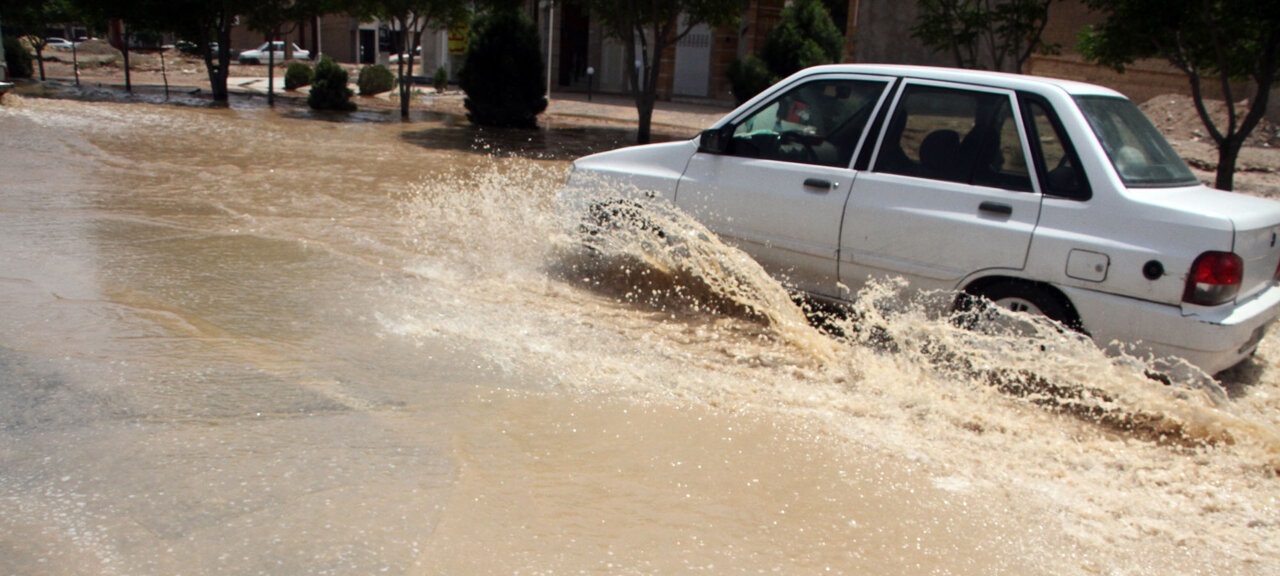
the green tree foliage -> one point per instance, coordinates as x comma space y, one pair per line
647, 29
985, 34
329, 89
502, 72
804, 37
297, 76
375, 79
1210, 41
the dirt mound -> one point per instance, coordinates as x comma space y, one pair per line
1175, 115
96, 47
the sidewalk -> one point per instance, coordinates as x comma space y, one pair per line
623, 109
611, 108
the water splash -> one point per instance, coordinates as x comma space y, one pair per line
654, 254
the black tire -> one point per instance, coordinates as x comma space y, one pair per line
614, 215
1022, 297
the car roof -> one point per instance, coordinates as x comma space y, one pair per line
960, 75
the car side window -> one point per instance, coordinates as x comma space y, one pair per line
819, 122
1056, 161
955, 135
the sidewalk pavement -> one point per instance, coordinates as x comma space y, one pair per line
601, 107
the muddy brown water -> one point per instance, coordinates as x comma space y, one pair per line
246, 340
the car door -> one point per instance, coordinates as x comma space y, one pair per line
949, 192
779, 186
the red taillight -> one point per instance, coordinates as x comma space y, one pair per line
1215, 278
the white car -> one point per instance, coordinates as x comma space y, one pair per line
58, 43
417, 57
260, 55
1042, 195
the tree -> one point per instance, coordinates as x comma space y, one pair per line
1209, 41
647, 29
30, 17
270, 18
203, 22
804, 37
985, 34
411, 18
502, 73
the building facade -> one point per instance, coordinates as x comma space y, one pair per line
581, 56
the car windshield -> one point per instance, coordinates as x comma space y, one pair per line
1140, 154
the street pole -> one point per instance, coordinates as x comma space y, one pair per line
551, 27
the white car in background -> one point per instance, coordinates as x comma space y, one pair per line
1041, 195
260, 55
58, 43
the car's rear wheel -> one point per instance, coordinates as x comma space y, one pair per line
1020, 296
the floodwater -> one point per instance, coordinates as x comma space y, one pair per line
246, 341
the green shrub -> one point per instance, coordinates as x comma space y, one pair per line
502, 72
375, 80
748, 77
804, 37
17, 58
297, 76
440, 80
329, 89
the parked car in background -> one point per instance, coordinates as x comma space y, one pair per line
191, 48
1041, 195
58, 43
260, 55
417, 57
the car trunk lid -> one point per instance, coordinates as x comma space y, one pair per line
1254, 224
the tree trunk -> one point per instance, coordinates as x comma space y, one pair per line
1228, 152
414, 40
40, 60
271, 72
647, 96
128, 78
644, 110
218, 73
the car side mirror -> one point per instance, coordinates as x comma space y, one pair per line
716, 140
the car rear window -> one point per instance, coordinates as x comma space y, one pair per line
1139, 153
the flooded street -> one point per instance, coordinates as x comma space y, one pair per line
248, 341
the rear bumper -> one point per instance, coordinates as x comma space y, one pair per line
1214, 340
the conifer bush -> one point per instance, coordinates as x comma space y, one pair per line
375, 79
17, 58
804, 37
329, 89
749, 76
502, 72
297, 76
441, 80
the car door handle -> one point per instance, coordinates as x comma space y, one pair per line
818, 183
996, 208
